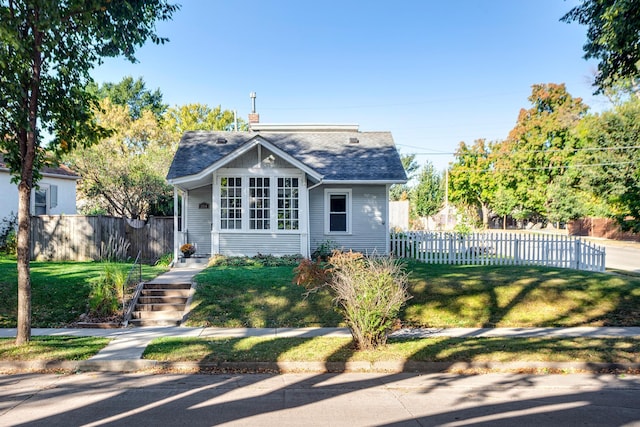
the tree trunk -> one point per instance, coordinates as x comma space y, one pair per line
485, 216
27, 140
23, 334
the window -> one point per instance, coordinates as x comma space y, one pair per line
231, 203
288, 204
259, 210
251, 203
40, 205
338, 211
45, 198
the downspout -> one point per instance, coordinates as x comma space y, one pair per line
308, 220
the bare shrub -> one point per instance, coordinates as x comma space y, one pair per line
370, 292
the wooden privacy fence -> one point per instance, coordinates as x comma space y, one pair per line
83, 238
498, 249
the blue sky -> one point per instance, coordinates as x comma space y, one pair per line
434, 73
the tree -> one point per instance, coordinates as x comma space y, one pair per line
504, 203
472, 180
124, 174
46, 52
428, 194
612, 38
539, 149
180, 119
411, 166
610, 161
132, 93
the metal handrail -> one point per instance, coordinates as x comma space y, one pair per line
126, 282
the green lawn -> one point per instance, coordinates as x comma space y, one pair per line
59, 290
257, 297
441, 349
52, 348
443, 296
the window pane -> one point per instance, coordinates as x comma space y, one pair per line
338, 203
337, 222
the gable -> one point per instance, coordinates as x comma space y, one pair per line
259, 157
329, 156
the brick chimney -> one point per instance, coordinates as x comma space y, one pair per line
253, 116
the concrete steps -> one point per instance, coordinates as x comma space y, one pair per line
161, 304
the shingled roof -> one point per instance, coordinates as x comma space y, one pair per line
61, 171
334, 156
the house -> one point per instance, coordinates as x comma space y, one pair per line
54, 194
284, 189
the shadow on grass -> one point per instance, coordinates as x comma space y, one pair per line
508, 296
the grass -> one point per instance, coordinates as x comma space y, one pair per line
443, 296
512, 296
52, 348
256, 296
59, 290
441, 349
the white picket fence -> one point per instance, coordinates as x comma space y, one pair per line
498, 249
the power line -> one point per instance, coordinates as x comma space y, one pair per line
547, 167
552, 150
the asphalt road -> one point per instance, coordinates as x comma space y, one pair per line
97, 399
623, 257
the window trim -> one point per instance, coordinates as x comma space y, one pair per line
328, 192
46, 189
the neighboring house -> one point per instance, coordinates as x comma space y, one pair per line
284, 189
54, 194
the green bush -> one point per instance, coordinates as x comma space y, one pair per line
165, 260
8, 237
107, 292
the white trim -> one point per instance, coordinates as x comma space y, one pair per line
176, 238
328, 192
386, 221
363, 182
302, 127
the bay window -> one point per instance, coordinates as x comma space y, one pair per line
260, 203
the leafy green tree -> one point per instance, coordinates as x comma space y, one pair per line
428, 194
610, 160
613, 27
411, 166
472, 180
132, 93
504, 203
47, 49
123, 174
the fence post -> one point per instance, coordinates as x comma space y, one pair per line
577, 255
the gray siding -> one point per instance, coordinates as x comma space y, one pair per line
368, 219
240, 244
199, 220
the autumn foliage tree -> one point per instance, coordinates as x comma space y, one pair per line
539, 149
